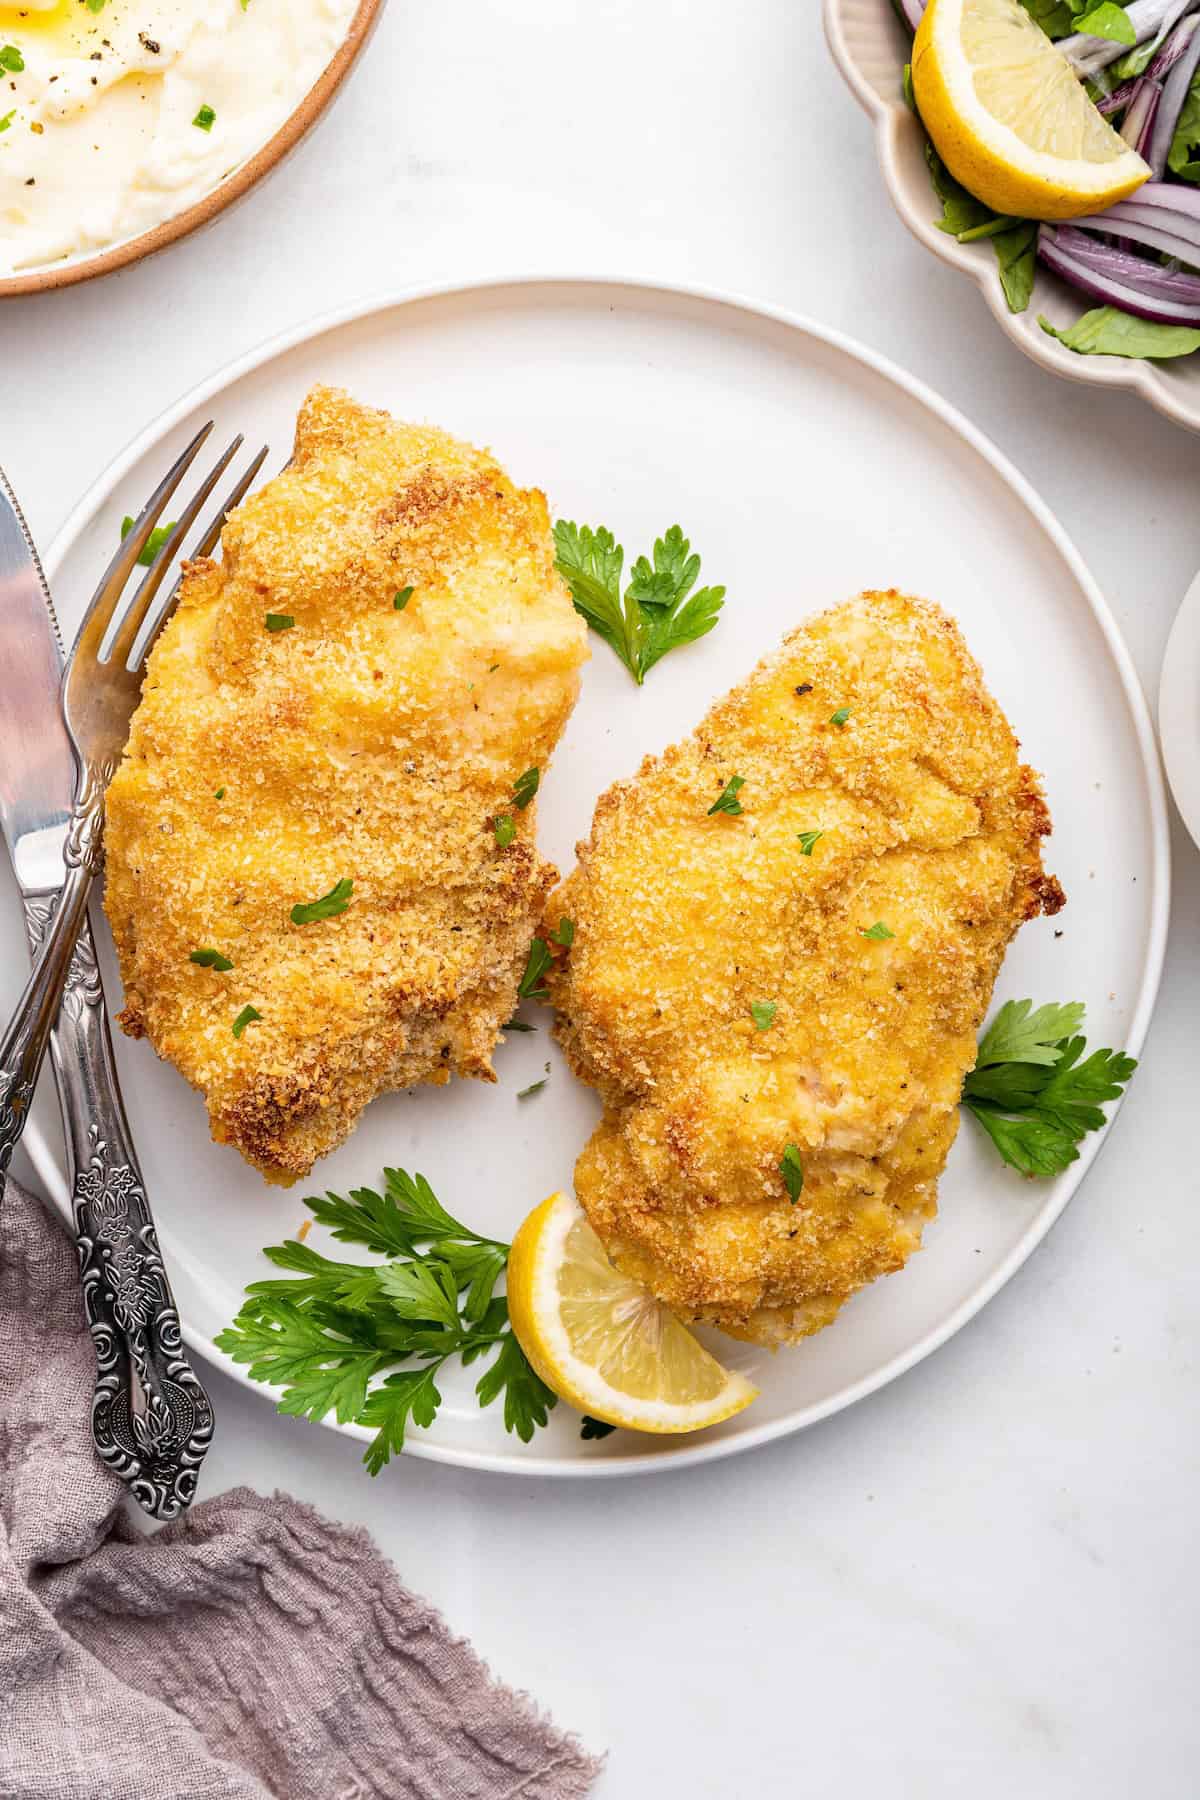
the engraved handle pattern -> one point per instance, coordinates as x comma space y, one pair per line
151, 1419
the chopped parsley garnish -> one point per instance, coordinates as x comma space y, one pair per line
205, 119
840, 716
210, 959
279, 621
808, 840
96, 6
763, 1013
565, 934
219, 794
727, 801
534, 1088
325, 1335
327, 907
11, 59
656, 613
536, 964
878, 932
595, 1428
7, 120
525, 787
1030, 1090
518, 1025
401, 598
153, 543
505, 829
792, 1170
247, 1016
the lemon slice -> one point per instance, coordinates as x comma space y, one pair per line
603, 1342
1009, 118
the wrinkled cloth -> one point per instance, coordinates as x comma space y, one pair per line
251, 1648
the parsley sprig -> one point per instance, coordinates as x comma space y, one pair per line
325, 1332
658, 610
1032, 1090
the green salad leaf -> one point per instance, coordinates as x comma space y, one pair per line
1107, 331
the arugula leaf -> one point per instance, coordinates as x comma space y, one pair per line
528, 1402
658, 611
1018, 1034
1016, 253
965, 218
1107, 20
412, 1394
1107, 331
1184, 156
1056, 17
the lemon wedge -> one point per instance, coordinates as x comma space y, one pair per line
1009, 118
603, 1342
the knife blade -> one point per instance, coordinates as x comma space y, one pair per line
151, 1419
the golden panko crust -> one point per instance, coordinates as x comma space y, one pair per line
930, 827
376, 740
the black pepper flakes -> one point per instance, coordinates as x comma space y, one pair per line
806, 687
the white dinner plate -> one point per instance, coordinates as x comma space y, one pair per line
804, 468
1179, 709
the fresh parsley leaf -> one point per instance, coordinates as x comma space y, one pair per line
1032, 1090
564, 933
319, 1370
727, 801
401, 598
329, 906
219, 794
412, 1394
808, 841
407, 1213
279, 621
792, 1170
153, 543
1018, 1034
11, 59
210, 959
518, 1025
205, 119
659, 610
878, 932
763, 1013
1107, 331
505, 828
528, 1402
536, 964
524, 788
1107, 20
595, 1428
7, 119
247, 1016
534, 1088
840, 717
425, 1290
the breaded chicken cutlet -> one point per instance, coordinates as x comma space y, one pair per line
348, 696
793, 987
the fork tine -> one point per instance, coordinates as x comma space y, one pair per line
100, 610
150, 632
125, 628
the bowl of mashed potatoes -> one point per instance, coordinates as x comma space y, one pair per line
125, 124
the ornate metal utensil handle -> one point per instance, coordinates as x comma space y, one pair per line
151, 1419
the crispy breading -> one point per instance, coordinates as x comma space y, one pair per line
930, 828
376, 739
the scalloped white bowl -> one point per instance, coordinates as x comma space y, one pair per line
870, 48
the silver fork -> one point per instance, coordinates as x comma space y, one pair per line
151, 1418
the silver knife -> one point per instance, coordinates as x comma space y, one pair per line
151, 1418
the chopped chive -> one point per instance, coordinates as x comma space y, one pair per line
205, 119
534, 1088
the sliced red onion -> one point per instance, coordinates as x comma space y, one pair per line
1157, 71
1138, 123
911, 11
1112, 290
1175, 92
1143, 229
1136, 271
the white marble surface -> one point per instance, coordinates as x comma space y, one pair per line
978, 1582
